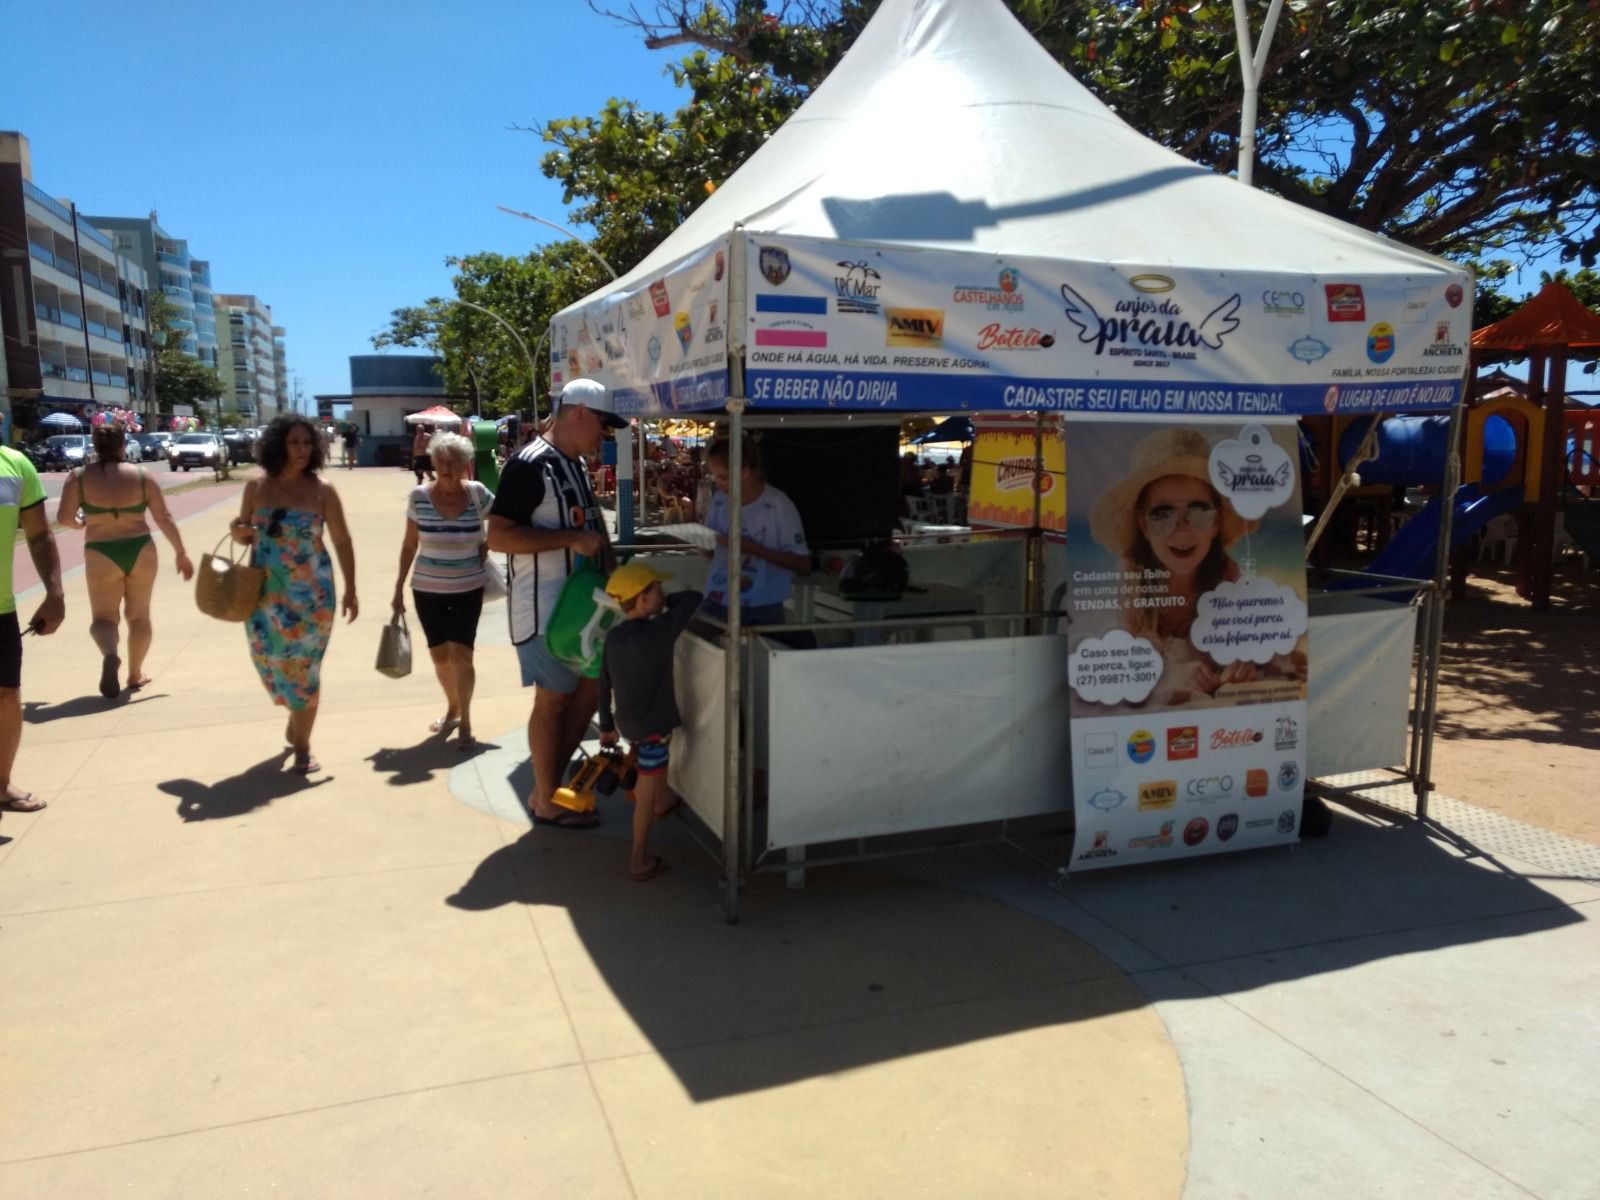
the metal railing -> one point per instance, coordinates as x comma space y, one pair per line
46, 201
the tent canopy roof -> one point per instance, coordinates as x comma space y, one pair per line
1554, 317
947, 125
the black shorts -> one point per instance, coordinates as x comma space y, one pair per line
10, 651
422, 462
449, 616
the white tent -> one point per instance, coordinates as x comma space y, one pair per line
953, 221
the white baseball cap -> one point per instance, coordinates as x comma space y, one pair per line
596, 397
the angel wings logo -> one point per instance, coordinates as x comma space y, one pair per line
1149, 329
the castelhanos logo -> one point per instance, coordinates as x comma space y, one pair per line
1015, 474
1226, 739
1227, 826
1183, 741
1005, 296
1162, 794
1155, 332
857, 288
1014, 337
1255, 782
774, 262
1283, 302
659, 297
1141, 742
1195, 831
1442, 346
914, 326
1285, 734
1345, 302
1153, 841
1380, 342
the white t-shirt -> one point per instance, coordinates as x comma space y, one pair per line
770, 520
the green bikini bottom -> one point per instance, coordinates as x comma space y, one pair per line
122, 551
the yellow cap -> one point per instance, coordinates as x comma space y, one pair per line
628, 580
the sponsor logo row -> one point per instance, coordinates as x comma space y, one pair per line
1104, 751
1195, 832
1252, 783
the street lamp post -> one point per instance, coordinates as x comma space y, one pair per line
588, 249
533, 374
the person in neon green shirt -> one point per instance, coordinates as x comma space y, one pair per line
22, 504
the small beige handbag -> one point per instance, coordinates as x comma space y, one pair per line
394, 649
227, 588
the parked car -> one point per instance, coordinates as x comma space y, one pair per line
198, 450
64, 451
153, 445
241, 445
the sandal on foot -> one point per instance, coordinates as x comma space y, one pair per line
142, 681
653, 866
26, 802
109, 666
443, 724
305, 764
465, 742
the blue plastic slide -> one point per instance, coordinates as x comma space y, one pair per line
1411, 552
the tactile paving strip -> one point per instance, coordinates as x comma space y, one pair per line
1491, 832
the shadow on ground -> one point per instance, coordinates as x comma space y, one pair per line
36, 712
417, 764
250, 789
863, 965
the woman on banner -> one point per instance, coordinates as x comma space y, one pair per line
1171, 530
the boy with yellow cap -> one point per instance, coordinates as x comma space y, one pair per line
637, 669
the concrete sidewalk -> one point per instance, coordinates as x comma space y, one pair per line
222, 980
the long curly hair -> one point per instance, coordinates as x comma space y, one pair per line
272, 451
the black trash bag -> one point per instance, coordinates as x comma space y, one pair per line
877, 573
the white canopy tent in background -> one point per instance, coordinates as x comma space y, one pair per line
953, 217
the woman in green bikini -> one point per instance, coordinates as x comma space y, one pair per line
112, 502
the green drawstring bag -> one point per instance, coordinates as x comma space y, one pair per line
584, 614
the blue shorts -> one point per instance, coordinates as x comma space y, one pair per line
652, 754
540, 668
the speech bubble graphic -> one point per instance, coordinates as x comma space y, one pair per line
1253, 472
1248, 620
1115, 669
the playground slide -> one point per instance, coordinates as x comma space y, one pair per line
1411, 551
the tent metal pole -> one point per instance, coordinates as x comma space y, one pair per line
1434, 636
733, 666
1035, 556
1251, 64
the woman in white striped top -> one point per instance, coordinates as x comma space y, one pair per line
444, 539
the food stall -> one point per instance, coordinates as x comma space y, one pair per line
951, 224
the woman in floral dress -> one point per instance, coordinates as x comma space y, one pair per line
285, 516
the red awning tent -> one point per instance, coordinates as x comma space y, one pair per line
437, 415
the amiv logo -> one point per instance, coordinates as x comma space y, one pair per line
1158, 795
915, 326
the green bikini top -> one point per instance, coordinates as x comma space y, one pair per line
131, 509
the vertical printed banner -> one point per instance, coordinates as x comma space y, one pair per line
1004, 480
1189, 630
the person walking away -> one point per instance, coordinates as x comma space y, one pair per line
352, 445
284, 515
444, 539
420, 462
544, 517
22, 504
636, 670
112, 501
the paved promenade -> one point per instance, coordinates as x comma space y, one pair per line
223, 980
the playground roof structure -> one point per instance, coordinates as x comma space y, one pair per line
1550, 320
956, 220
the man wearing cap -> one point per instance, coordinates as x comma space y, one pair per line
544, 517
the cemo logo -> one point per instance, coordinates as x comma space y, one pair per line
915, 326
1141, 745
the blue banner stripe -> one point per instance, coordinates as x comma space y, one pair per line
815, 305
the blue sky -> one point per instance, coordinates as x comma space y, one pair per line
325, 156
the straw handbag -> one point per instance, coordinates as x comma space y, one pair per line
227, 588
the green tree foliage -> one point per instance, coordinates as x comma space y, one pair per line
180, 379
1462, 127
481, 360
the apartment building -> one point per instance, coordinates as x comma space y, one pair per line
247, 358
280, 367
72, 311
184, 279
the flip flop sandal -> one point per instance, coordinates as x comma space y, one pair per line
653, 867
306, 765
567, 820
443, 724
25, 803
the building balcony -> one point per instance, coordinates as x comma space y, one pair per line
46, 312
181, 261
